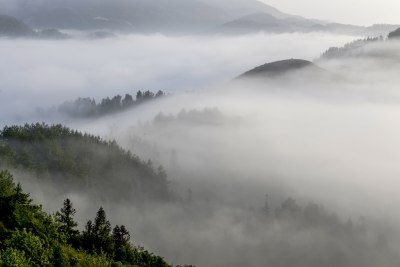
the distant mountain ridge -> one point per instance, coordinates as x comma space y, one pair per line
133, 15
266, 22
173, 16
13, 27
10, 26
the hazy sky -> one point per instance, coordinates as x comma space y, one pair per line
345, 11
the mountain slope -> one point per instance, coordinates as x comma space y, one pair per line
31, 237
134, 15
15, 28
268, 22
10, 26
279, 68
244, 7
81, 162
172, 16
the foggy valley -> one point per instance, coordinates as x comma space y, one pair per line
210, 133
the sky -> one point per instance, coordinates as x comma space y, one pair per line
363, 12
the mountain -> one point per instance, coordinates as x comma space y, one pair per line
279, 68
132, 15
240, 8
373, 30
268, 22
31, 237
81, 162
12, 27
356, 48
172, 16
394, 34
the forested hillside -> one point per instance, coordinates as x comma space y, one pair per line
31, 237
356, 48
87, 107
83, 162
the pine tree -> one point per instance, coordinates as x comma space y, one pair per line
97, 235
121, 236
66, 219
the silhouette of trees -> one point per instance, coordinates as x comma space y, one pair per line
97, 235
127, 101
351, 49
87, 107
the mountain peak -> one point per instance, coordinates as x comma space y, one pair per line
277, 68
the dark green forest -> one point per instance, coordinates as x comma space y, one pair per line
31, 237
81, 162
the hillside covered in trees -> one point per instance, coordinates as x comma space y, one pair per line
82, 162
356, 48
88, 108
31, 237
352, 49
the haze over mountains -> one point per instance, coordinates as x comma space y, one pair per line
137, 15
173, 16
292, 163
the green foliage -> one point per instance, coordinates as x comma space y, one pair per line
59, 258
30, 237
83, 161
7, 185
79, 258
35, 248
11, 257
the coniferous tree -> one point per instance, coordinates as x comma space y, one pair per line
127, 101
88, 237
66, 218
121, 236
139, 96
97, 235
160, 93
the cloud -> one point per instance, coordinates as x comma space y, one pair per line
43, 73
333, 142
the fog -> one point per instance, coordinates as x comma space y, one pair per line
328, 140
37, 73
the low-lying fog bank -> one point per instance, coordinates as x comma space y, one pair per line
333, 142
40, 73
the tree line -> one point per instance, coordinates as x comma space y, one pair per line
82, 162
87, 107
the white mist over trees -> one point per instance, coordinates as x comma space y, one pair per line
158, 141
